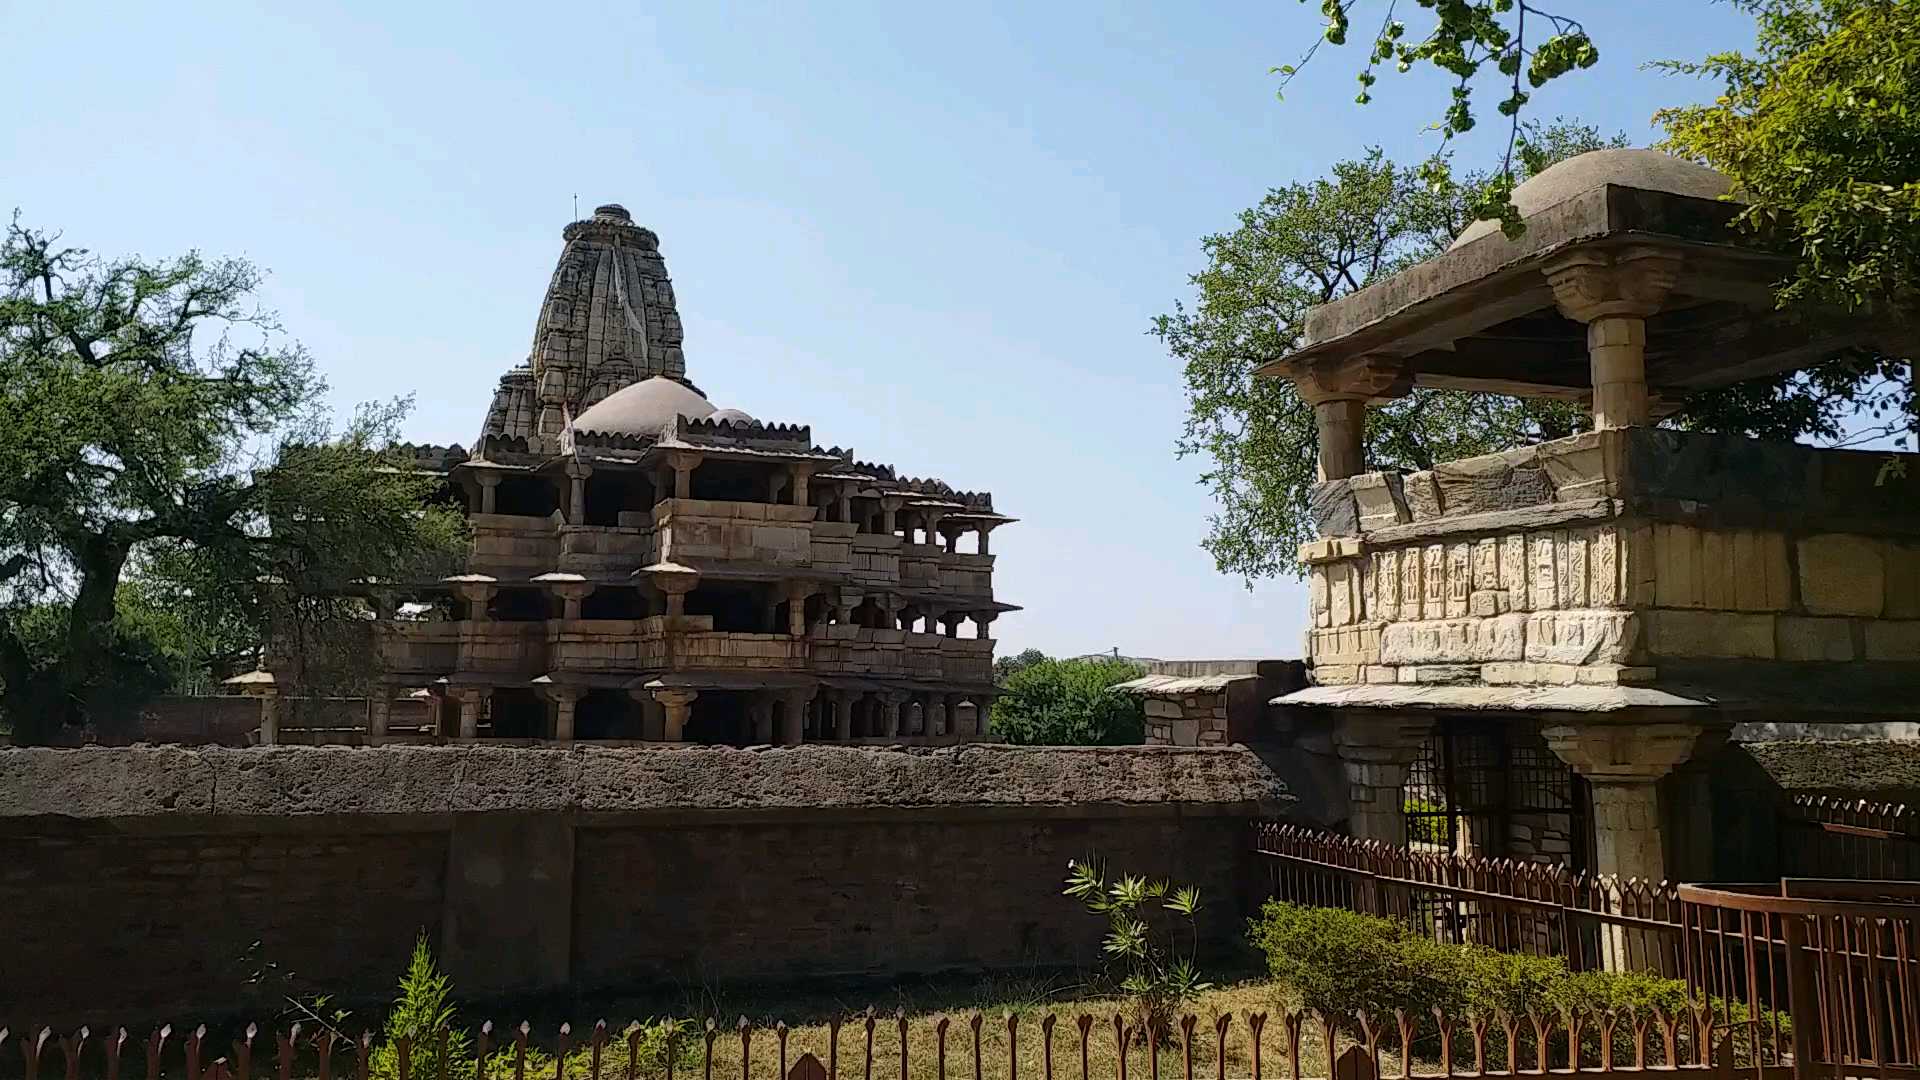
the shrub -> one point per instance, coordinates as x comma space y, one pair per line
1429, 827
1153, 969
423, 1009
1340, 963
659, 1040
1070, 703
1510, 982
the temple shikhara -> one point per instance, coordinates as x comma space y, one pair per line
1542, 650
649, 566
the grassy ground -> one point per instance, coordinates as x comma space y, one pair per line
1028, 1002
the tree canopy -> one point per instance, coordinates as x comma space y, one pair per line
1070, 703
171, 492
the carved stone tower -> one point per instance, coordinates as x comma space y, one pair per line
608, 320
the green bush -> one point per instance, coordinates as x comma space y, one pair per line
659, 1039
423, 1009
1341, 963
1152, 938
1070, 703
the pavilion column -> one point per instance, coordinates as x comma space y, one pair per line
1339, 393
983, 529
489, 491
890, 713
470, 699
760, 711
683, 462
1623, 761
679, 707
802, 473
674, 582
269, 717
889, 515
577, 473
937, 720
379, 712
797, 595
982, 623
843, 505
477, 594
932, 522
793, 717
1614, 292
952, 705
1375, 753
565, 699
573, 595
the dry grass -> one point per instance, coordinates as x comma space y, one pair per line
1027, 1006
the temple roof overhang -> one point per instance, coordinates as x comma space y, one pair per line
1483, 316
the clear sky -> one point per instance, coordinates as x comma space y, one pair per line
937, 233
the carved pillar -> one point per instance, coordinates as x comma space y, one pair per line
793, 717
952, 706
889, 515
477, 594
843, 504
983, 529
890, 713
683, 462
572, 595
1339, 392
936, 718
379, 713
488, 491
577, 473
674, 582
565, 699
797, 594
1614, 292
679, 707
470, 699
1375, 753
760, 712
802, 473
982, 623
269, 717
1623, 762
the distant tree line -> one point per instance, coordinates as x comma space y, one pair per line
1049, 702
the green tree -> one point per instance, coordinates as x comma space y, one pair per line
1303, 245
167, 490
1070, 703
1006, 667
1306, 244
1819, 127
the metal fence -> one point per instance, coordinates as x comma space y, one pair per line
1298, 1045
1825, 836
1525, 907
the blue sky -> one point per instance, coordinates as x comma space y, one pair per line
936, 233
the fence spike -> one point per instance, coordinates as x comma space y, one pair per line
867, 1065
1013, 1046
519, 1051
559, 1059
1405, 1025
940, 1048
323, 1043
746, 1048
1187, 1024
403, 1054
71, 1047
1512, 1025
633, 1033
1446, 1042
113, 1049
1220, 1025
712, 1032
974, 1022
1152, 1027
1608, 1021
1120, 1041
833, 1047
780, 1033
362, 1051
1085, 1023
480, 1049
598, 1043
1573, 1022
1256, 1023
1639, 1036
1478, 1021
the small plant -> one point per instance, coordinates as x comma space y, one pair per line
1342, 963
422, 1011
1143, 940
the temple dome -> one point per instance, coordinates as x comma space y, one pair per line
731, 416
644, 408
1649, 170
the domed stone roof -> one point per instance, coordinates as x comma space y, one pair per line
644, 408
1650, 170
731, 416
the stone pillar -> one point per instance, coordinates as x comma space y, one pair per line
802, 472
843, 504
1339, 392
760, 712
932, 521
936, 718
890, 714
797, 609
889, 515
572, 594
577, 473
379, 713
674, 582
1623, 761
679, 707
984, 529
1375, 752
470, 699
1614, 292
793, 722
489, 490
982, 623
952, 707
683, 462
565, 699
269, 718
775, 482
477, 594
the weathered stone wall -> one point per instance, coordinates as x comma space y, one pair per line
135, 882
1634, 556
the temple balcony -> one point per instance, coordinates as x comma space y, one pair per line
512, 545
477, 646
1702, 568
605, 550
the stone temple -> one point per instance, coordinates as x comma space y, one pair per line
649, 566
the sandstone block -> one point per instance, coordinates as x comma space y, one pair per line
1526, 673
1798, 638
1582, 637
1718, 634
1898, 641
1380, 673
1335, 674
1469, 640
1613, 674
1440, 673
1380, 499
1423, 497
1842, 575
1903, 582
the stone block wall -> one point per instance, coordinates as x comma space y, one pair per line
1188, 720
1611, 558
135, 882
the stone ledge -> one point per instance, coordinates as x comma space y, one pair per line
168, 782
